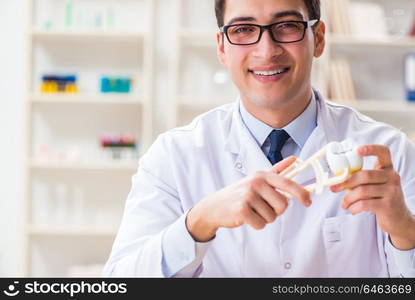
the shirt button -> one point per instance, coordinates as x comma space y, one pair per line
239, 166
287, 266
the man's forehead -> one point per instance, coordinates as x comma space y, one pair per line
293, 14
264, 9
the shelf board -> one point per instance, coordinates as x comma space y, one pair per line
79, 98
88, 35
87, 166
386, 106
67, 230
339, 40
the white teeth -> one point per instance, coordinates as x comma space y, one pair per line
269, 73
343, 155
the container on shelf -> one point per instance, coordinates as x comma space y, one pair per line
53, 83
410, 76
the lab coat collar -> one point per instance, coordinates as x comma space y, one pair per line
249, 156
298, 129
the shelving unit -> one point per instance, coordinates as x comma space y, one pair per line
82, 193
376, 64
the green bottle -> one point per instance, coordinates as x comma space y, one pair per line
68, 14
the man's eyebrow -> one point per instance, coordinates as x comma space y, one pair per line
278, 15
241, 19
288, 13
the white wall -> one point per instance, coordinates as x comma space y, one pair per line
12, 25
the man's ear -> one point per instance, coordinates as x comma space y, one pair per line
220, 48
320, 39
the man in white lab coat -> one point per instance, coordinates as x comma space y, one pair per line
208, 199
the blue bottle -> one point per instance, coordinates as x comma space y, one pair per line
410, 76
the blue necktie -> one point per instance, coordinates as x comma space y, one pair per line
278, 139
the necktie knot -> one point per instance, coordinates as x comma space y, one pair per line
278, 139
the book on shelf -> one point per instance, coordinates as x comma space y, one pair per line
338, 15
344, 16
356, 18
341, 87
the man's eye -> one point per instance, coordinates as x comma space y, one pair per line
243, 29
284, 26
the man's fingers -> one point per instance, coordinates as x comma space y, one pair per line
381, 152
263, 209
361, 178
371, 205
276, 200
255, 220
361, 193
282, 165
290, 187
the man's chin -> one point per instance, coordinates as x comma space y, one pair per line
269, 101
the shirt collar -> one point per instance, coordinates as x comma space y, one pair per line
299, 129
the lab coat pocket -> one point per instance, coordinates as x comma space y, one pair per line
351, 245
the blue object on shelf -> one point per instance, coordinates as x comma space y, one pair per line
410, 76
105, 85
124, 85
115, 85
70, 78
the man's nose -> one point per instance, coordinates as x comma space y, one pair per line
267, 47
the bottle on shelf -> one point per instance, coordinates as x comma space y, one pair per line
410, 76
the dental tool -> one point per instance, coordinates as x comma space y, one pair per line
342, 158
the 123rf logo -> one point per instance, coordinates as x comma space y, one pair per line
71, 289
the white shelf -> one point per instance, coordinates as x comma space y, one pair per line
59, 230
115, 36
391, 106
349, 41
92, 166
80, 98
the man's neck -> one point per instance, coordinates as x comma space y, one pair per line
281, 116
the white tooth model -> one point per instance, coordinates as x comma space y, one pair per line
342, 158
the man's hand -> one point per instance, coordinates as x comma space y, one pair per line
379, 191
253, 200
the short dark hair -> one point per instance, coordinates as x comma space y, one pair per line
313, 7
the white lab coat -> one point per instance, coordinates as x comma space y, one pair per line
215, 150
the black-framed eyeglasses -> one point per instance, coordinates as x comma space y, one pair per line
281, 32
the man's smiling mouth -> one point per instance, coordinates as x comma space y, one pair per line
271, 72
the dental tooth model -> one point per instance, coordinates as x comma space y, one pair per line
342, 158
